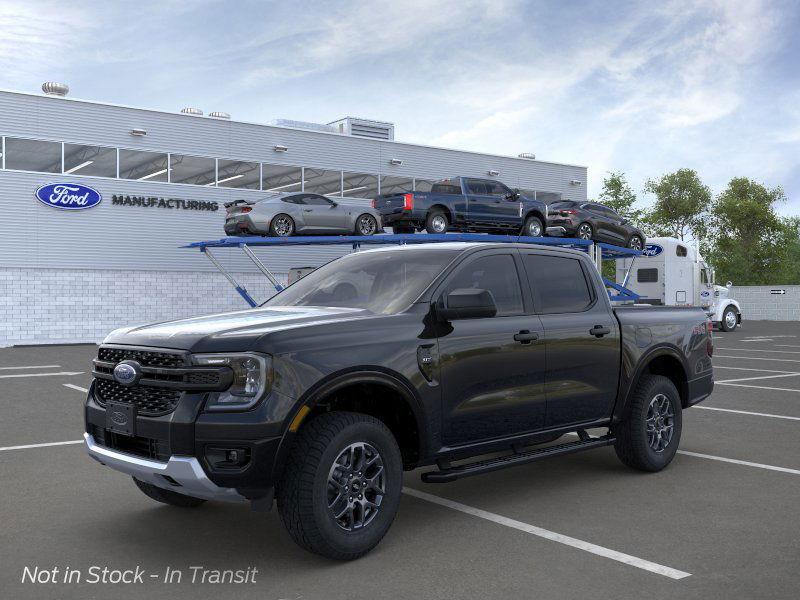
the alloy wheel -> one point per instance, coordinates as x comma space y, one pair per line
282, 226
585, 231
356, 486
730, 319
660, 423
534, 228
366, 225
439, 223
635, 243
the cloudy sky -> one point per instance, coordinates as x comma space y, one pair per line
641, 87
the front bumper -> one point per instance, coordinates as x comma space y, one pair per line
181, 474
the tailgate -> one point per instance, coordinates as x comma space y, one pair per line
391, 203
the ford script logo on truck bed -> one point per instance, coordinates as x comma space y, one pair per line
652, 250
68, 196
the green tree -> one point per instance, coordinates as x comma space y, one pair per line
750, 243
681, 205
617, 194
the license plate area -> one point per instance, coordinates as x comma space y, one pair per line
121, 418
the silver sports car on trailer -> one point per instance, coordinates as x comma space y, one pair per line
300, 213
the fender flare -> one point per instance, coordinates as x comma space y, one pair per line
342, 379
724, 305
623, 402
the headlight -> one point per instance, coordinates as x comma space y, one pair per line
252, 379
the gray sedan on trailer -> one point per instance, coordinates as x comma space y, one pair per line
299, 213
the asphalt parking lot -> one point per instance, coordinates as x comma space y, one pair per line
720, 522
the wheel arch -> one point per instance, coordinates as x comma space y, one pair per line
377, 392
444, 208
665, 361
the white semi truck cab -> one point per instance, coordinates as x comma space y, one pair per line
672, 273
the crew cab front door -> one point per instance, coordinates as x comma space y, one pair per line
488, 205
492, 383
582, 338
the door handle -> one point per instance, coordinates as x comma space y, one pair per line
526, 337
599, 331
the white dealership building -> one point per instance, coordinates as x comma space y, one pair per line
161, 180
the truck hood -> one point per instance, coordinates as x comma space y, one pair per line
232, 331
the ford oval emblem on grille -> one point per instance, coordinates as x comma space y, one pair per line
127, 373
68, 196
119, 418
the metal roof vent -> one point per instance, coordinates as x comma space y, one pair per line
377, 130
219, 115
51, 88
527, 155
192, 111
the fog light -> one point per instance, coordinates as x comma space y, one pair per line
227, 458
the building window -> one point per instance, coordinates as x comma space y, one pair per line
194, 170
237, 174
96, 161
280, 178
321, 181
359, 185
396, 185
144, 166
423, 185
33, 155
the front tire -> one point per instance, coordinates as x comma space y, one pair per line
167, 496
341, 487
437, 222
281, 226
366, 224
584, 232
533, 227
635, 243
648, 438
729, 320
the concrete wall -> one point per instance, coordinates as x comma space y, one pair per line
759, 304
51, 306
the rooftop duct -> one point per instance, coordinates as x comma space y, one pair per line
219, 115
192, 111
51, 88
377, 130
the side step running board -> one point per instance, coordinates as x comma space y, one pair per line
511, 460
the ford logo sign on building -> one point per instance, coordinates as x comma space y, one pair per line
652, 250
68, 196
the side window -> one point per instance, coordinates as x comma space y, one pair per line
495, 188
315, 200
559, 282
476, 186
446, 186
498, 275
647, 275
681, 250
299, 199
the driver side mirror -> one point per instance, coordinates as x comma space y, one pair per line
512, 195
467, 303
729, 285
334, 204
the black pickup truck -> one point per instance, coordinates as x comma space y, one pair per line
435, 354
464, 204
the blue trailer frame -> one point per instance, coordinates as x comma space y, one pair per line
597, 250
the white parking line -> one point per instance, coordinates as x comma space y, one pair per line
758, 358
31, 367
76, 387
740, 462
758, 387
41, 445
41, 374
747, 412
757, 350
550, 535
751, 369
759, 377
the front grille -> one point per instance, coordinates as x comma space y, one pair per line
151, 448
150, 401
146, 358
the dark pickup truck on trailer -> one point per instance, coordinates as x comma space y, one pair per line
387, 360
464, 204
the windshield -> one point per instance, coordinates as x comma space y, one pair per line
385, 281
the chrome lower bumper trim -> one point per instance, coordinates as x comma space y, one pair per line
185, 470
557, 231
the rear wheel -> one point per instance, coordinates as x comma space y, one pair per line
167, 496
584, 232
533, 227
635, 243
436, 222
341, 486
281, 226
729, 319
648, 438
366, 224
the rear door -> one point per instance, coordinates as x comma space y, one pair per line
582, 338
492, 383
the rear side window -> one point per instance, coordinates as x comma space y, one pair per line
647, 275
498, 275
294, 199
558, 282
446, 186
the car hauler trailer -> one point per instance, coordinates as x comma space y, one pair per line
669, 272
597, 251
